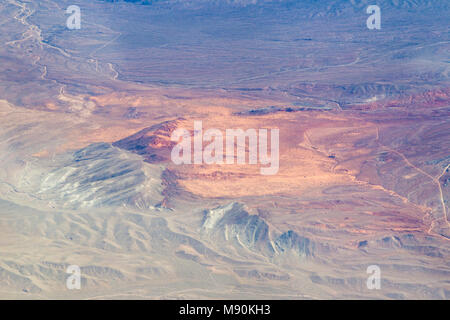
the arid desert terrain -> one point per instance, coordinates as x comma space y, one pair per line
86, 170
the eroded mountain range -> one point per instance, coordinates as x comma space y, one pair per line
86, 176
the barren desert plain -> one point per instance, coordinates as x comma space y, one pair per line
87, 176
